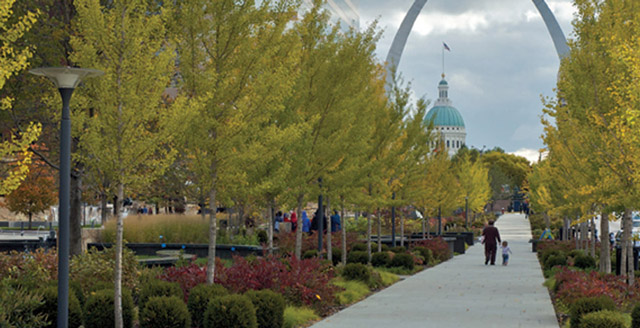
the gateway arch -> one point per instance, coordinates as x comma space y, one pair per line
400, 40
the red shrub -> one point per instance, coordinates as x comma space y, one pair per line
439, 248
300, 281
561, 245
575, 284
37, 266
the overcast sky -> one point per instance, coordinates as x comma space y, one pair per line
502, 61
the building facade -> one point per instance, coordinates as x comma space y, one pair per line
447, 121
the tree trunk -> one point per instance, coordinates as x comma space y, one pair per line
369, 236
75, 217
379, 231
343, 219
272, 221
565, 229
329, 249
592, 248
628, 226
117, 283
30, 215
298, 249
213, 234
605, 246
401, 229
626, 236
425, 226
103, 206
116, 205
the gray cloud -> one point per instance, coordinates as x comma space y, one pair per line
502, 60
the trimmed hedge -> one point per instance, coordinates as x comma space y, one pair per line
98, 311
165, 312
402, 260
587, 305
399, 249
269, 307
199, 297
359, 247
49, 307
358, 257
356, 271
158, 288
310, 254
336, 256
230, 311
603, 319
381, 259
584, 262
554, 260
635, 316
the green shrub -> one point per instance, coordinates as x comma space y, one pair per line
98, 311
635, 316
158, 288
587, 305
584, 262
310, 254
554, 260
18, 306
50, 308
603, 319
576, 252
399, 249
263, 237
165, 312
199, 297
356, 271
358, 257
403, 260
298, 317
230, 311
269, 307
380, 259
359, 247
426, 254
545, 254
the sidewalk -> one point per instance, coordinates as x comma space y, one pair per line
463, 292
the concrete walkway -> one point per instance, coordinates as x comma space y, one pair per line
463, 292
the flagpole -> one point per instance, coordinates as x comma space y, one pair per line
443, 60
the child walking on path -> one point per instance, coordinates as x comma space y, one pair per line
505, 253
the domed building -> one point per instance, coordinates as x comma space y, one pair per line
447, 121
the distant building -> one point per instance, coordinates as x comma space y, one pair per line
447, 121
343, 11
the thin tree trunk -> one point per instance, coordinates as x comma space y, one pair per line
626, 235
117, 283
344, 233
605, 246
401, 229
213, 234
592, 248
329, 249
379, 231
30, 215
103, 207
298, 249
629, 246
203, 209
425, 226
272, 221
369, 236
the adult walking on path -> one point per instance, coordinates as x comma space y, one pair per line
490, 239
462, 292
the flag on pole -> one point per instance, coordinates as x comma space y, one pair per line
446, 46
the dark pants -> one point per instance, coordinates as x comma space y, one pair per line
490, 253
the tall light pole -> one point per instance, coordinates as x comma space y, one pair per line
66, 80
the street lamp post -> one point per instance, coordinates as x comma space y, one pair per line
66, 79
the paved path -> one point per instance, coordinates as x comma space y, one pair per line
463, 292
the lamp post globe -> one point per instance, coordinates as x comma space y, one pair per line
66, 80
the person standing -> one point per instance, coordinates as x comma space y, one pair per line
335, 221
491, 238
306, 224
506, 250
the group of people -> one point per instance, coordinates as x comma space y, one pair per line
490, 239
308, 226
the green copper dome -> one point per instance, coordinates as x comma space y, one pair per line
443, 82
445, 116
